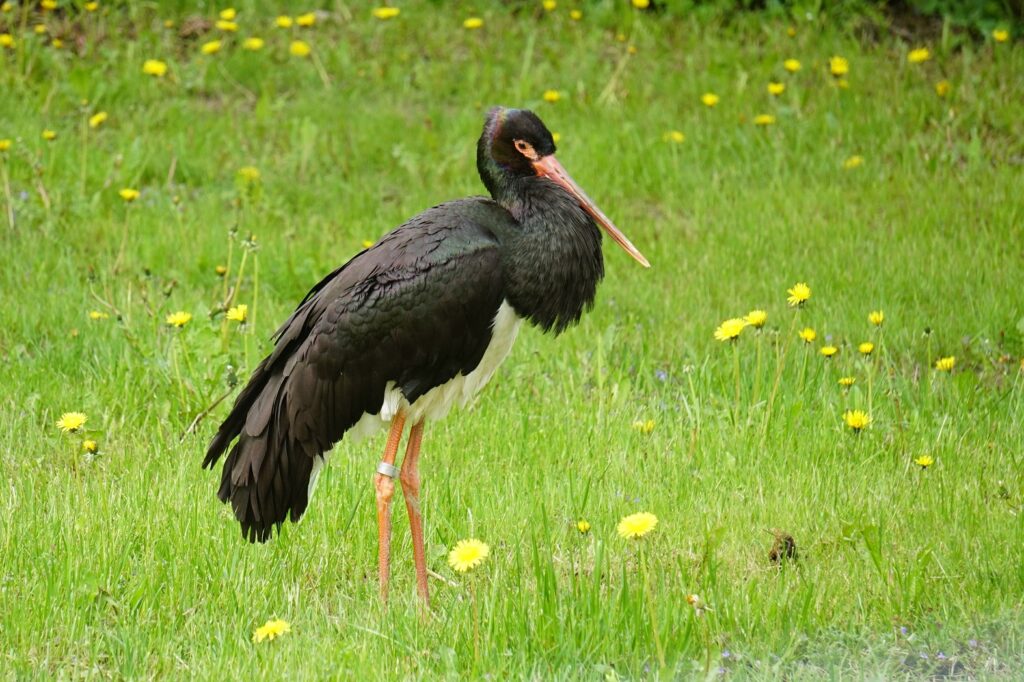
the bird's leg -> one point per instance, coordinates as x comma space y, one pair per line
411, 487
384, 482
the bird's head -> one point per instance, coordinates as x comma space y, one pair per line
516, 146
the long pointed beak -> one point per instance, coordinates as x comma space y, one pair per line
548, 167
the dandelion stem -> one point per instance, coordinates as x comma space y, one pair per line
736, 373
177, 370
255, 300
124, 239
476, 621
693, 393
780, 364
7, 193
803, 372
224, 293
229, 300
651, 611
321, 71
757, 372
871, 376
85, 156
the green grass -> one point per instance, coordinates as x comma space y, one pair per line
125, 565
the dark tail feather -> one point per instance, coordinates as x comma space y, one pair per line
262, 501
265, 477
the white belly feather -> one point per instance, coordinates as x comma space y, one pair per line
438, 401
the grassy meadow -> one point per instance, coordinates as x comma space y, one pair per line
892, 187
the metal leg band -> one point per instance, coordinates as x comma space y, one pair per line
389, 470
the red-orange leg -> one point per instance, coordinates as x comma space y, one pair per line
384, 482
411, 487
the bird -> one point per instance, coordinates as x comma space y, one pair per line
410, 327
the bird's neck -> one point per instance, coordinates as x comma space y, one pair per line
553, 262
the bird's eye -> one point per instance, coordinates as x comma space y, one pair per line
526, 149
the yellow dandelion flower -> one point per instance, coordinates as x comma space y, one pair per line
40, 29
221, 270
226, 26
583, 526
309, 18
792, 65
6, 6
828, 351
467, 555
154, 67
764, 120
252, 44
846, 382
98, 315
730, 329
299, 48
643, 425
238, 313
838, 66
641, 4
775, 88
71, 421
473, 23
920, 55
856, 419
57, 43
48, 5
271, 630
5, 144
284, 21
945, 364
854, 161
385, 13
756, 318
212, 47
552, 96
7, 40
97, 119
1000, 35
90, 446
228, 14
556, 137
249, 173
575, 14
808, 335
128, 194
367, 243
799, 294
168, 23
866, 348
924, 461
637, 525
675, 136
942, 88
549, 5
876, 317
91, 6
709, 99
179, 319
49, 135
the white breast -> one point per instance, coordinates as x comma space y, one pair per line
437, 402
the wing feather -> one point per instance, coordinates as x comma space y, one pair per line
416, 309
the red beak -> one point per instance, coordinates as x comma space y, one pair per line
548, 167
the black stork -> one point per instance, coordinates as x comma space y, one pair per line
412, 326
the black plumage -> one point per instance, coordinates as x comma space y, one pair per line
415, 309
